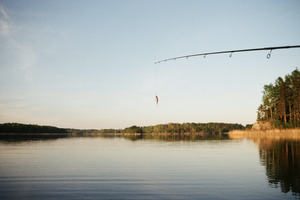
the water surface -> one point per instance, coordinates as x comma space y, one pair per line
161, 168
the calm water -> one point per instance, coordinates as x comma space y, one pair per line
119, 168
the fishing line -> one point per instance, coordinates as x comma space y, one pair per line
155, 83
156, 97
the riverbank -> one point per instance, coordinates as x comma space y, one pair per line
268, 134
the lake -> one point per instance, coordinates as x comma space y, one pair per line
152, 168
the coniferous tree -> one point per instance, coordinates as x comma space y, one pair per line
281, 101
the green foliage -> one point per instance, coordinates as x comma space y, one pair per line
29, 128
171, 128
185, 127
281, 102
133, 129
248, 126
109, 131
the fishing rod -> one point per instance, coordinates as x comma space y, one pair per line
233, 51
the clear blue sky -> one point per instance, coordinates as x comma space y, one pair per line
90, 64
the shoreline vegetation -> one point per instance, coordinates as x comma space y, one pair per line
262, 130
273, 134
281, 102
278, 117
176, 129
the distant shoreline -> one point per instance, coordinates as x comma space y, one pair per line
202, 133
35, 134
160, 129
274, 132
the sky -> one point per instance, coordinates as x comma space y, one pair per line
90, 64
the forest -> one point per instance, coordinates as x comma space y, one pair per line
186, 127
29, 128
281, 102
161, 128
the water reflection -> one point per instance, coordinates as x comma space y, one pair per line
178, 137
280, 154
29, 138
282, 161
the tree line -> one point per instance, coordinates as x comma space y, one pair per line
29, 128
161, 128
186, 127
281, 102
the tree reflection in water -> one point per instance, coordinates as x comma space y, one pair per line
182, 137
282, 161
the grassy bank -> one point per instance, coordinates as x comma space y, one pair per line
268, 134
